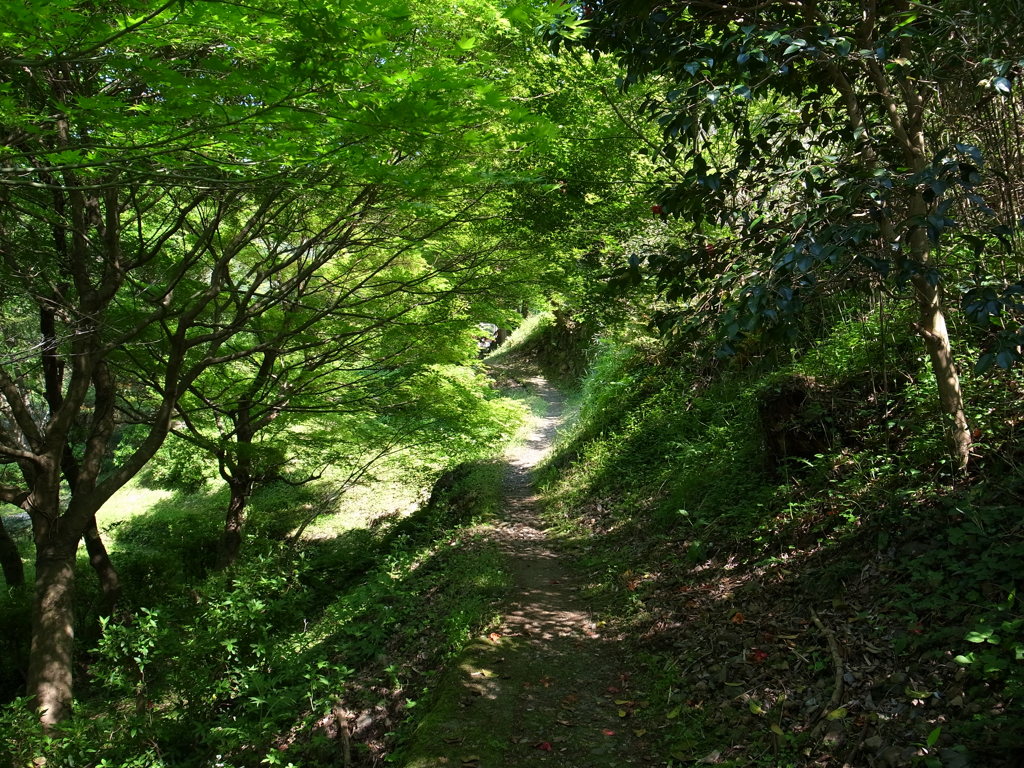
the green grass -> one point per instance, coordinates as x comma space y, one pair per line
663, 487
249, 667
240, 664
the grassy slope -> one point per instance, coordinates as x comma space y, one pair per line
854, 605
301, 655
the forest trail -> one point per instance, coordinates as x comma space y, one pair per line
547, 687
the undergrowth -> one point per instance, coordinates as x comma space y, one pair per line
312, 649
265, 665
745, 518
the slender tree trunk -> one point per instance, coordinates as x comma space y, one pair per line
231, 539
932, 328
53, 631
99, 559
931, 323
907, 121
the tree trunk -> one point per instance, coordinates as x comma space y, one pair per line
908, 126
53, 632
99, 559
932, 327
231, 539
10, 559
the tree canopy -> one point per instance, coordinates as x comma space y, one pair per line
275, 233
809, 146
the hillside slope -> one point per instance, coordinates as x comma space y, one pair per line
805, 579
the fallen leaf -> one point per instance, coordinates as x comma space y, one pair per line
494, 637
737, 618
622, 713
639, 731
545, 681
755, 708
777, 730
608, 732
836, 714
757, 655
674, 713
915, 694
544, 745
711, 758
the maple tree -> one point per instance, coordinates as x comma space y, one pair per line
177, 176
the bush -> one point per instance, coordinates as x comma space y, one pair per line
179, 466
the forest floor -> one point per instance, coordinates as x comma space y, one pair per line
622, 643
546, 686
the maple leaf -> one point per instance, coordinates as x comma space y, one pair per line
737, 618
757, 655
544, 745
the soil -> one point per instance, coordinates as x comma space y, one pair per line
547, 687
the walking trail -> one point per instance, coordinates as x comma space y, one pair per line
547, 687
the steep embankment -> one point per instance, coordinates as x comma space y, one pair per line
806, 579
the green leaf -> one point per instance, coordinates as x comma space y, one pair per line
467, 43
985, 362
374, 36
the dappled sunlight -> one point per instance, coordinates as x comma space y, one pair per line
545, 685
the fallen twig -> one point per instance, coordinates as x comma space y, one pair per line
341, 721
837, 662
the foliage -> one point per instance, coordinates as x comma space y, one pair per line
178, 466
687, 518
807, 149
249, 669
205, 204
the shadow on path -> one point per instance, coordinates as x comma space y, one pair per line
546, 688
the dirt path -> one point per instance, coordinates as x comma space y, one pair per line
546, 688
